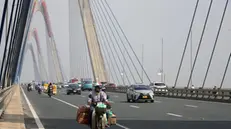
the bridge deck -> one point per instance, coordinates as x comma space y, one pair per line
13, 117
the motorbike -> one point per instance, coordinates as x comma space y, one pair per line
36, 87
99, 118
39, 90
29, 88
50, 93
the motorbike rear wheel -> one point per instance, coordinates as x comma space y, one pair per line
99, 124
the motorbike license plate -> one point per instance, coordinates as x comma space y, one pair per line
145, 97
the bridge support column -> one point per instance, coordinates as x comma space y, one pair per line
97, 62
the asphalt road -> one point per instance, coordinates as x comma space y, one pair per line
59, 112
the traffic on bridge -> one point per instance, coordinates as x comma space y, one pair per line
115, 64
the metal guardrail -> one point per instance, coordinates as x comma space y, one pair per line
5, 97
196, 94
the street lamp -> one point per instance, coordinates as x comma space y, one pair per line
122, 74
159, 74
162, 75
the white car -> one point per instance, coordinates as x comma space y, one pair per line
160, 88
65, 85
138, 92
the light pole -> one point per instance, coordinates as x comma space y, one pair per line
160, 74
122, 74
191, 57
162, 59
142, 72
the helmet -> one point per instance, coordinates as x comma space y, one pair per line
103, 88
97, 87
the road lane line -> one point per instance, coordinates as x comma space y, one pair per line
83, 96
116, 96
37, 120
66, 102
119, 125
133, 106
157, 101
192, 106
172, 114
111, 102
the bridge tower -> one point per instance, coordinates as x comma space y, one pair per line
96, 58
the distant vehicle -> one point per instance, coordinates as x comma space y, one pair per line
80, 84
74, 80
64, 85
111, 85
73, 88
138, 92
59, 85
192, 87
104, 83
160, 88
87, 84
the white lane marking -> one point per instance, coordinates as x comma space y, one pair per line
116, 96
133, 106
192, 106
111, 102
121, 126
37, 120
83, 96
157, 101
66, 102
172, 114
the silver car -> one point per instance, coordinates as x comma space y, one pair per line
138, 92
160, 88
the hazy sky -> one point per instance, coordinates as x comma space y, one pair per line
146, 22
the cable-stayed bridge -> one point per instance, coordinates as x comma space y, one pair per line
100, 49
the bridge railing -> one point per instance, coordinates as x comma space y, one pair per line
219, 95
5, 97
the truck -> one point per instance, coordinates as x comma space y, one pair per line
87, 84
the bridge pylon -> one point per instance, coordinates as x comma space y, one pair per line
96, 57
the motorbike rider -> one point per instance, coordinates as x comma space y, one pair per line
104, 89
37, 86
50, 88
40, 86
29, 86
97, 95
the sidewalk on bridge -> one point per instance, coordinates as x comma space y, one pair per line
13, 117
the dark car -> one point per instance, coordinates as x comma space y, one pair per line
73, 88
